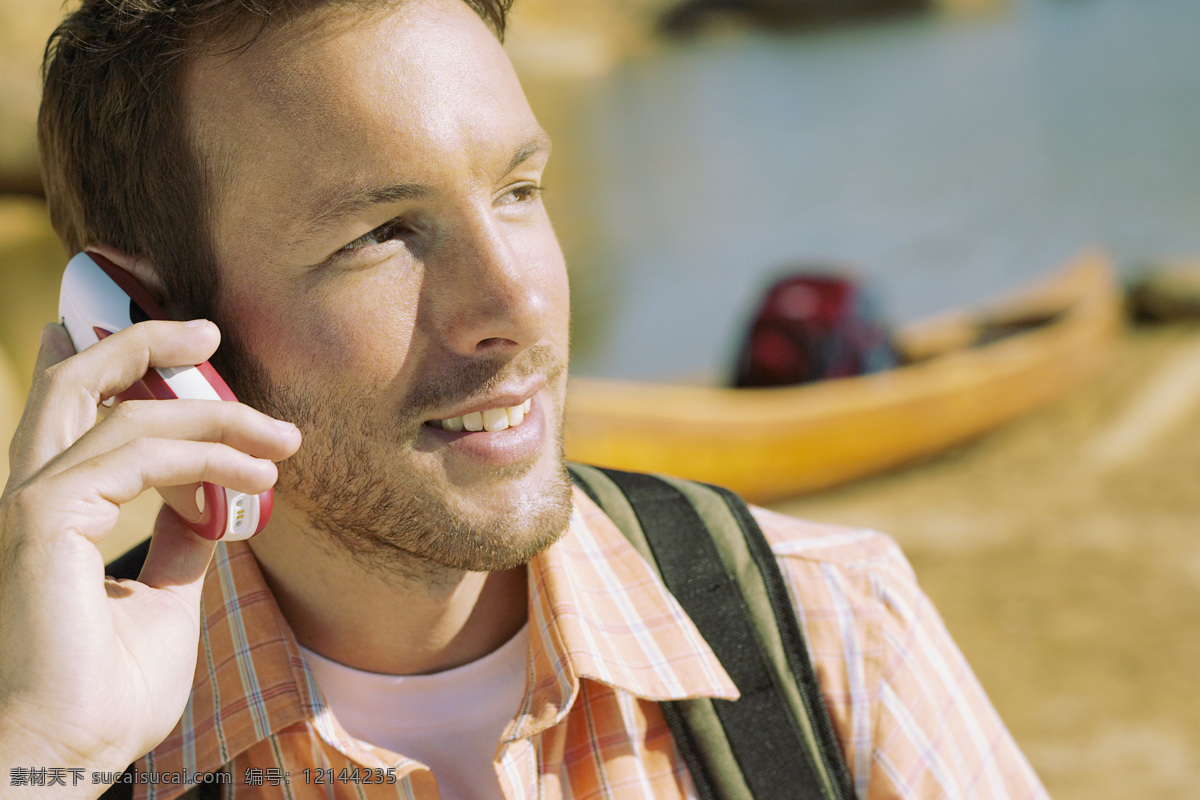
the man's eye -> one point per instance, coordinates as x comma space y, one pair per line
522, 194
385, 232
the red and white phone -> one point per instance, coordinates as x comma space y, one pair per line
98, 298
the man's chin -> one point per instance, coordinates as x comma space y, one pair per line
504, 520
481, 522
500, 526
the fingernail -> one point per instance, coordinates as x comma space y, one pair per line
285, 426
197, 323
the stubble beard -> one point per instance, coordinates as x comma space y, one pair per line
347, 488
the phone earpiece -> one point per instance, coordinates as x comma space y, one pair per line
98, 298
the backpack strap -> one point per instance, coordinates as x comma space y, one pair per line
777, 741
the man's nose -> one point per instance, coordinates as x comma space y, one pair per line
491, 294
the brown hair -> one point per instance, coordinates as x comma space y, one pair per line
117, 160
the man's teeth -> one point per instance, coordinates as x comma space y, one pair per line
492, 420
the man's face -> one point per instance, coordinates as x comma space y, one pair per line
388, 264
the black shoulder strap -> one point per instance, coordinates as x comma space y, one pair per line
777, 741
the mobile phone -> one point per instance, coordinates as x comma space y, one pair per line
98, 298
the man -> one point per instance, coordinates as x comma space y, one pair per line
350, 190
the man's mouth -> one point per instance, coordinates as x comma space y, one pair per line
491, 420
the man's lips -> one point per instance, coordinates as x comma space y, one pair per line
498, 448
494, 413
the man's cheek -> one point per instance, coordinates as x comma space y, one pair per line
363, 342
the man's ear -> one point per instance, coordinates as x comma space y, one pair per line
139, 267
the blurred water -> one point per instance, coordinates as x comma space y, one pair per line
947, 160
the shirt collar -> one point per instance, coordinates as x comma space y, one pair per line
597, 611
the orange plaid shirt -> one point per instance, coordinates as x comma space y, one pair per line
607, 641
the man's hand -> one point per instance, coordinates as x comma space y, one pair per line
93, 672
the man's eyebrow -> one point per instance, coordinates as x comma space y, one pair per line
346, 201
538, 143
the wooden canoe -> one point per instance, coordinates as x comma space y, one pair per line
768, 444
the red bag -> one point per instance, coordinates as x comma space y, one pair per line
812, 327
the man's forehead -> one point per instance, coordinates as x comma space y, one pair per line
311, 67
295, 61
345, 94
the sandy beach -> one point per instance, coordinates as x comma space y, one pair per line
1064, 557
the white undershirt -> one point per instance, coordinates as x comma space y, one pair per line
450, 721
